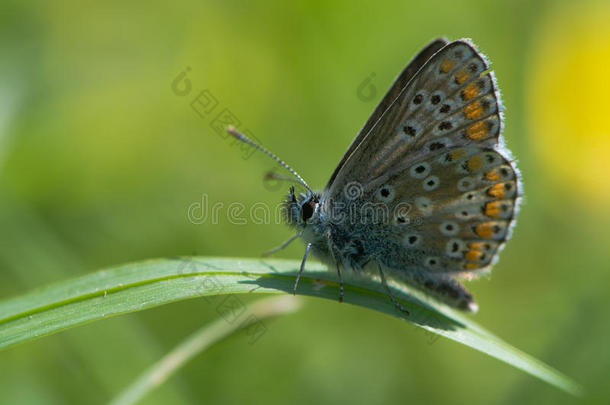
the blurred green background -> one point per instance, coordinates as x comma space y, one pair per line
100, 161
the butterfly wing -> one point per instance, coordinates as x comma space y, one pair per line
449, 211
431, 158
450, 101
399, 83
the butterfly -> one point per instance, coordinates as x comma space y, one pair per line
426, 194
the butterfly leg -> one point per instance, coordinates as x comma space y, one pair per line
282, 246
340, 283
296, 282
387, 288
330, 249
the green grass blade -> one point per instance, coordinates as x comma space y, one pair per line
197, 343
148, 284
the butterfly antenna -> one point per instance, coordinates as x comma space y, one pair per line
238, 135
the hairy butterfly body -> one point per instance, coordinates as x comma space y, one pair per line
425, 194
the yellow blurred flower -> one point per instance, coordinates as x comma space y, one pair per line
569, 99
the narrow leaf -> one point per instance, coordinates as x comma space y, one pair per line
148, 284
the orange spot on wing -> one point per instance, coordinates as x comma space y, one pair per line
446, 65
458, 153
471, 266
481, 246
473, 255
461, 77
496, 191
474, 111
492, 175
477, 131
469, 91
493, 209
485, 229
474, 163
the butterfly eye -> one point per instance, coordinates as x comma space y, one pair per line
307, 210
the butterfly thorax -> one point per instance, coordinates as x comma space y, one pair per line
336, 232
